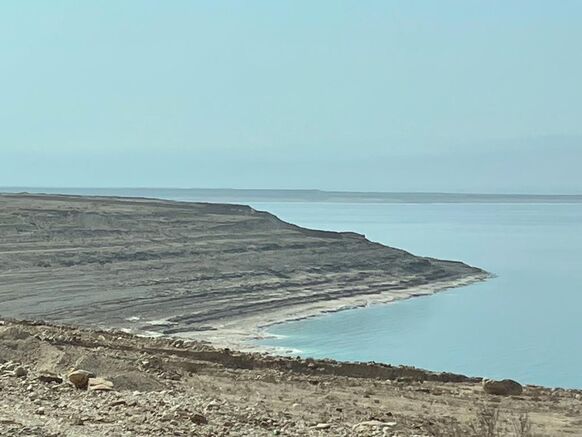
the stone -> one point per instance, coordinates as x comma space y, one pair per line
198, 419
363, 426
322, 426
80, 378
50, 378
99, 384
100, 387
504, 387
20, 372
212, 405
118, 402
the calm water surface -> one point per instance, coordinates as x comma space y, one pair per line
525, 324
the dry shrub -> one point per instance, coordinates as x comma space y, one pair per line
488, 422
522, 426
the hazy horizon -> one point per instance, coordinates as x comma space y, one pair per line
452, 97
217, 192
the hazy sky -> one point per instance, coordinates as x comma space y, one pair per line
361, 95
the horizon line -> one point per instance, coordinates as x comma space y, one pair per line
297, 190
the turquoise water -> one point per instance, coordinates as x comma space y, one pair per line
525, 324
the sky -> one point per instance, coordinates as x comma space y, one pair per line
455, 96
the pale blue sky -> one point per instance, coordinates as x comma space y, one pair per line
362, 95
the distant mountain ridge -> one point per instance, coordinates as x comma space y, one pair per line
289, 195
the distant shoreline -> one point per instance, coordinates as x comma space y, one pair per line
273, 195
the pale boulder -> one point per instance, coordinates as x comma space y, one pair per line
100, 384
80, 378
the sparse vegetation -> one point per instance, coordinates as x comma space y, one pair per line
522, 426
489, 421
486, 424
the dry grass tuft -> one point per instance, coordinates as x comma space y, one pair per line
488, 422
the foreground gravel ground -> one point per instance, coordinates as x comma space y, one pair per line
168, 387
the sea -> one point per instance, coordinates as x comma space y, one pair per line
524, 323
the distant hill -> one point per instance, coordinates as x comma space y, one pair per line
249, 195
98, 261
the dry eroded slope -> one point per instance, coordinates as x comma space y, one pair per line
100, 261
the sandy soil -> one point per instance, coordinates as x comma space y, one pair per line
208, 271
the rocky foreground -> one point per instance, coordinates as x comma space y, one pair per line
61, 381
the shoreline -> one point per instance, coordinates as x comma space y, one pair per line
242, 334
221, 274
217, 272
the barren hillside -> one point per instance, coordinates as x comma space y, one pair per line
172, 267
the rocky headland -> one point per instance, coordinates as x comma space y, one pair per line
218, 272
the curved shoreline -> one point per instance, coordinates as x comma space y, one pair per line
243, 333
214, 271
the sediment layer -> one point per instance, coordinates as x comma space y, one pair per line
176, 267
